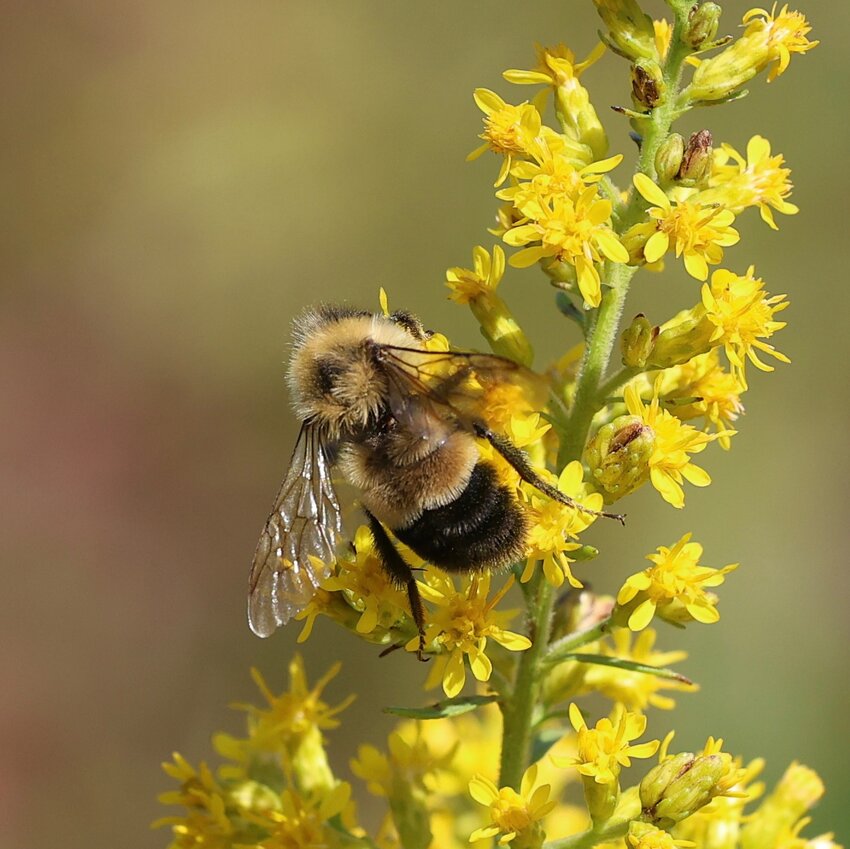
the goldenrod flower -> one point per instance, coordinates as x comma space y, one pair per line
768, 41
412, 758
606, 748
301, 822
575, 232
636, 691
781, 813
460, 626
670, 463
508, 130
674, 587
367, 588
514, 816
290, 727
468, 284
693, 230
476, 287
556, 67
739, 182
208, 819
783, 34
725, 814
682, 784
553, 174
712, 393
743, 315
644, 836
554, 527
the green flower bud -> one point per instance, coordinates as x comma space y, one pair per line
718, 77
797, 791
500, 329
702, 25
601, 799
668, 159
683, 340
680, 786
696, 159
659, 778
647, 82
618, 456
637, 341
630, 31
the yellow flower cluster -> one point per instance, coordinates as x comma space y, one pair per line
513, 654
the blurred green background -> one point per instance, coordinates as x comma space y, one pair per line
179, 180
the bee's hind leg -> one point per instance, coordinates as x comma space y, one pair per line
519, 461
402, 576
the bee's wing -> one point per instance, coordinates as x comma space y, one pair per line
304, 521
453, 381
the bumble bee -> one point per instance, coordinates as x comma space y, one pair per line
400, 422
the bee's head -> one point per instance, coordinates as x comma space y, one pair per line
334, 374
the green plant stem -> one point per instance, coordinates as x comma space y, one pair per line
602, 330
590, 838
519, 709
615, 381
571, 642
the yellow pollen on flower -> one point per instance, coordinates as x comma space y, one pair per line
693, 230
785, 33
739, 182
511, 813
508, 130
674, 587
572, 231
743, 315
604, 750
460, 627
670, 463
468, 284
554, 527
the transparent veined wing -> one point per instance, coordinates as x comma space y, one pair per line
454, 383
304, 521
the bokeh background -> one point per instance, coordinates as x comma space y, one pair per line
179, 179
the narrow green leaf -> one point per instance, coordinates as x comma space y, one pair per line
449, 707
630, 666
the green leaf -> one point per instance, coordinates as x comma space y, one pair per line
630, 666
448, 707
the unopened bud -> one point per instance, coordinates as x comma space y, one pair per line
630, 31
668, 159
647, 82
797, 791
618, 456
720, 76
601, 799
702, 25
500, 329
682, 339
696, 159
681, 785
637, 341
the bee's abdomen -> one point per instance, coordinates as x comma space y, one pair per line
484, 527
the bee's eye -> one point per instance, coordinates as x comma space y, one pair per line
327, 375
